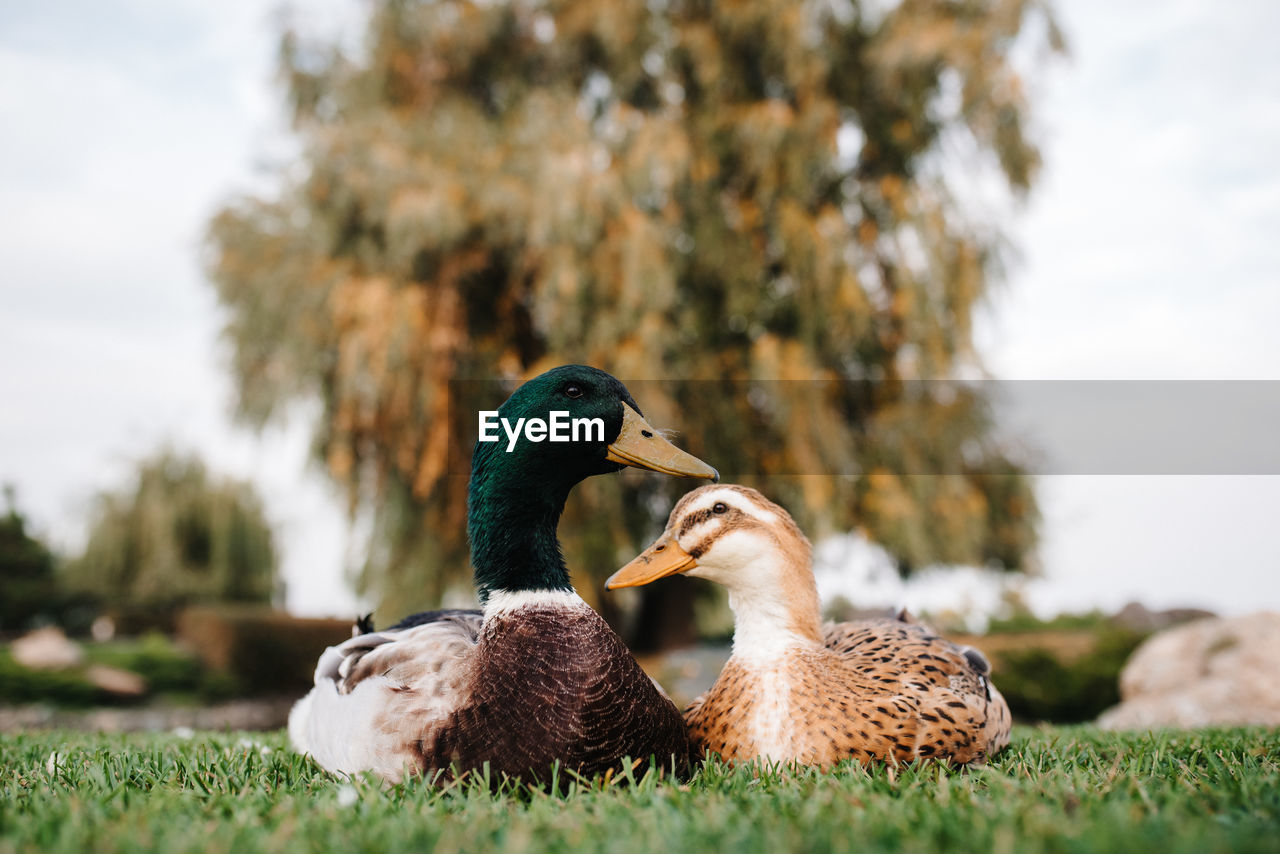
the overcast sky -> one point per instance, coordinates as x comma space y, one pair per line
1148, 250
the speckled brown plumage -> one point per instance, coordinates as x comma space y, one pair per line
795, 690
874, 690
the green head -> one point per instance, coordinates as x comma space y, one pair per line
590, 425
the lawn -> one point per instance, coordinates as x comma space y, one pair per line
1072, 789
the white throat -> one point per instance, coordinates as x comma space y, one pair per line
763, 627
504, 602
764, 616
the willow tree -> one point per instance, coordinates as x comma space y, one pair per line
749, 203
174, 536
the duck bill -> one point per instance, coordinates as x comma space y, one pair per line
663, 558
641, 446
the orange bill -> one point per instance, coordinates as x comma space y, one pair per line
663, 558
641, 446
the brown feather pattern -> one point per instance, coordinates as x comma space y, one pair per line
874, 691
553, 686
526, 689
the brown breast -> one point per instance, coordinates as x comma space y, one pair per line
548, 685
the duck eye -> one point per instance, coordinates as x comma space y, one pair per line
574, 391
719, 507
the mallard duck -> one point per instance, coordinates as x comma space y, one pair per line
795, 690
534, 677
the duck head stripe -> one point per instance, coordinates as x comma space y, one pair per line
745, 508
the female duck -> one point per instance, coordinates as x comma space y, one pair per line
794, 690
536, 676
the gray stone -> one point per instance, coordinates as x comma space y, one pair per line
113, 680
46, 649
1222, 671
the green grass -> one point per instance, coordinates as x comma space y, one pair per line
1072, 789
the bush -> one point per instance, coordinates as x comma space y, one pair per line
166, 667
263, 651
1025, 621
1042, 686
18, 684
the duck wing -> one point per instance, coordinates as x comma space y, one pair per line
377, 691
418, 646
957, 711
472, 616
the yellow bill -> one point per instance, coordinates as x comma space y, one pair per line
641, 446
663, 558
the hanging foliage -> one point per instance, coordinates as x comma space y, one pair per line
746, 202
177, 536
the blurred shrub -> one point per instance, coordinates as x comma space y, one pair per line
263, 651
59, 687
166, 667
131, 621
1022, 620
1043, 685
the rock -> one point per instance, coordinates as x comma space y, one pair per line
46, 649
1211, 672
103, 628
113, 680
1139, 618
